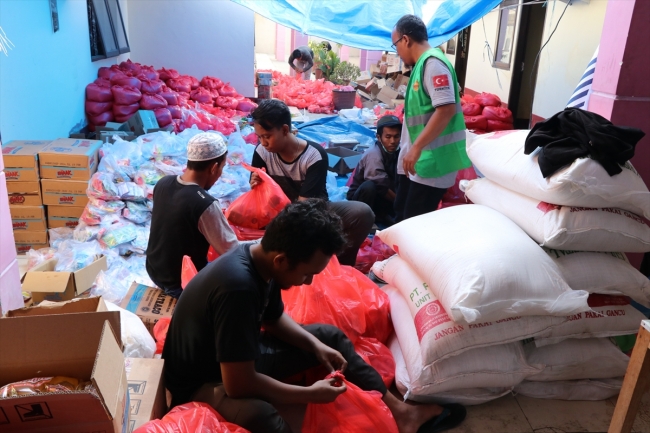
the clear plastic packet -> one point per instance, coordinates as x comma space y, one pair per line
102, 185
45, 385
36, 257
147, 174
72, 255
119, 233
59, 234
138, 213
97, 210
131, 191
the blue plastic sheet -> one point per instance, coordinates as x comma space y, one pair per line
327, 128
367, 24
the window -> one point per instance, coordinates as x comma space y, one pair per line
505, 34
106, 29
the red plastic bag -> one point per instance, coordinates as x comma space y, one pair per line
246, 234
466, 99
106, 73
212, 254
211, 83
353, 411
96, 108
150, 73
246, 105
498, 125
252, 138
179, 85
377, 355
166, 74
150, 101
126, 82
193, 82
476, 122
170, 96
188, 271
472, 109
125, 110
487, 100
97, 93
163, 116
150, 86
372, 251
227, 90
103, 82
454, 194
201, 95
227, 102
126, 95
160, 332
191, 417
498, 113
175, 111
377, 305
101, 119
129, 66
257, 207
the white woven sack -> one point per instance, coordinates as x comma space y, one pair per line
481, 266
500, 157
605, 273
589, 358
466, 397
610, 316
500, 366
564, 227
438, 335
597, 389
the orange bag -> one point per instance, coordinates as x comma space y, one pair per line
378, 356
188, 271
353, 411
191, 418
160, 332
257, 207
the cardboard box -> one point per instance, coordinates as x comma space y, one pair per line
89, 311
63, 216
150, 304
141, 121
400, 80
363, 78
25, 237
60, 345
24, 193
69, 158
146, 390
386, 95
341, 160
27, 218
21, 159
45, 283
64, 192
24, 248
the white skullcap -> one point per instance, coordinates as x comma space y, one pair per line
206, 146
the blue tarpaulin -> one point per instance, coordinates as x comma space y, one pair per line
332, 128
367, 24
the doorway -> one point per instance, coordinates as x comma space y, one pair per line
524, 73
462, 50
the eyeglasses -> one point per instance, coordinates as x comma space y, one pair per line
394, 44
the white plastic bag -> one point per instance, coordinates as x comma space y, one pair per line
137, 341
438, 335
481, 266
500, 157
564, 227
589, 358
597, 389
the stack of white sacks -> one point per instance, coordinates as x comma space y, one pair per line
480, 309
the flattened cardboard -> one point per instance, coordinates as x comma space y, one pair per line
69, 158
63, 216
386, 95
341, 160
27, 218
150, 304
146, 390
22, 153
45, 283
64, 192
56, 345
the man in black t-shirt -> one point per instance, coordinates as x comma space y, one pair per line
300, 169
215, 351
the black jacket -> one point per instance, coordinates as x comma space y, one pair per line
575, 133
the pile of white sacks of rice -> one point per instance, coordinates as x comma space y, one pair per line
522, 290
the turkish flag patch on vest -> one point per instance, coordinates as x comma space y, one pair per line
440, 81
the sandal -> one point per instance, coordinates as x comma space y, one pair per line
452, 415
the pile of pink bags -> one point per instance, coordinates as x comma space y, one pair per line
484, 113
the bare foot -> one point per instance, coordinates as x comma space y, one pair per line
409, 417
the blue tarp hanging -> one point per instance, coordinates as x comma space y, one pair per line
335, 128
367, 24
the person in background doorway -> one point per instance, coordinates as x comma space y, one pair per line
433, 145
186, 220
300, 168
375, 178
301, 61
216, 351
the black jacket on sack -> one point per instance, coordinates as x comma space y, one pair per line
575, 133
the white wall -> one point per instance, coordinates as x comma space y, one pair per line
481, 76
195, 37
43, 79
566, 56
265, 36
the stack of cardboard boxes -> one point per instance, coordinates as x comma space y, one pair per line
24, 190
66, 166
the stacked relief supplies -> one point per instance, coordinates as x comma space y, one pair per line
585, 218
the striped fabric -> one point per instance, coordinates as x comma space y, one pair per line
580, 97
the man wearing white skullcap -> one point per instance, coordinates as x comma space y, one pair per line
186, 220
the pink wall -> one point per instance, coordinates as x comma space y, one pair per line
621, 89
10, 294
280, 32
344, 54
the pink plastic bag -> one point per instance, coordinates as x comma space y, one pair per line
191, 417
498, 113
487, 99
372, 251
163, 116
160, 332
257, 207
97, 93
126, 95
378, 356
188, 271
353, 411
150, 101
96, 108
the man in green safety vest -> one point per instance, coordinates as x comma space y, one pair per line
433, 147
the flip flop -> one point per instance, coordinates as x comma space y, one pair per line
452, 415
